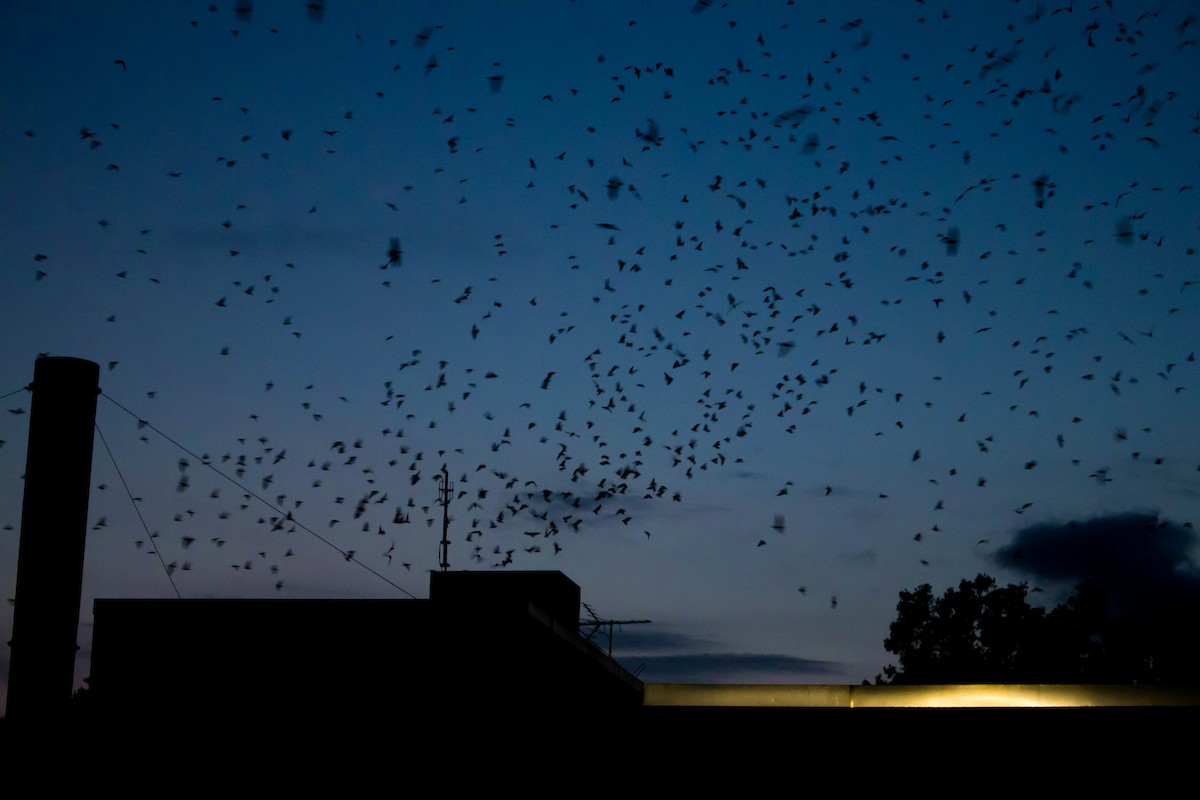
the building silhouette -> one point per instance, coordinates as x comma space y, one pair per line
491, 663
483, 643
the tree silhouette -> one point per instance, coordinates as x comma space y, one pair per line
981, 632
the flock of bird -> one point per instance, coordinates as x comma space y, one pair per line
930, 276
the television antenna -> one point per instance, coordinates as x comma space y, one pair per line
445, 490
596, 624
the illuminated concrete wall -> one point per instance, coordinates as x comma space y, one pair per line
664, 695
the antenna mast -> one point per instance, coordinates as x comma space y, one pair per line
595, 623
444, 492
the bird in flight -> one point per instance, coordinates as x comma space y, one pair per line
394, 253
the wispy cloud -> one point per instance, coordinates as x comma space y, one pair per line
730, 668
665, 656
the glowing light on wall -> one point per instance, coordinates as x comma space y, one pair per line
934, 696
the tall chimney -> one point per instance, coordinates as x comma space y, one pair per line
58, 470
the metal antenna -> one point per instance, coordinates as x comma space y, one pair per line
595, 623
444, 492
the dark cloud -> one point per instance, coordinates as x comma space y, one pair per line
730, 668
666, 656
1137, 557
656, 639
569, 500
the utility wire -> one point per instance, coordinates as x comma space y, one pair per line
16, 391
149, 537
348, 555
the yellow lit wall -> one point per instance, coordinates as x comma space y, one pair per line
934, 696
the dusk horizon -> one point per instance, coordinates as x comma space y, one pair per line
745, 316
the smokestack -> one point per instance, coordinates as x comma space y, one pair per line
58, 471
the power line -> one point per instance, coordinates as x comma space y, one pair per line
348, 555
149, 536
25, 388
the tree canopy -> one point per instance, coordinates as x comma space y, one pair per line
981, 632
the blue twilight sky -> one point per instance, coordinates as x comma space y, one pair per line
744, 315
